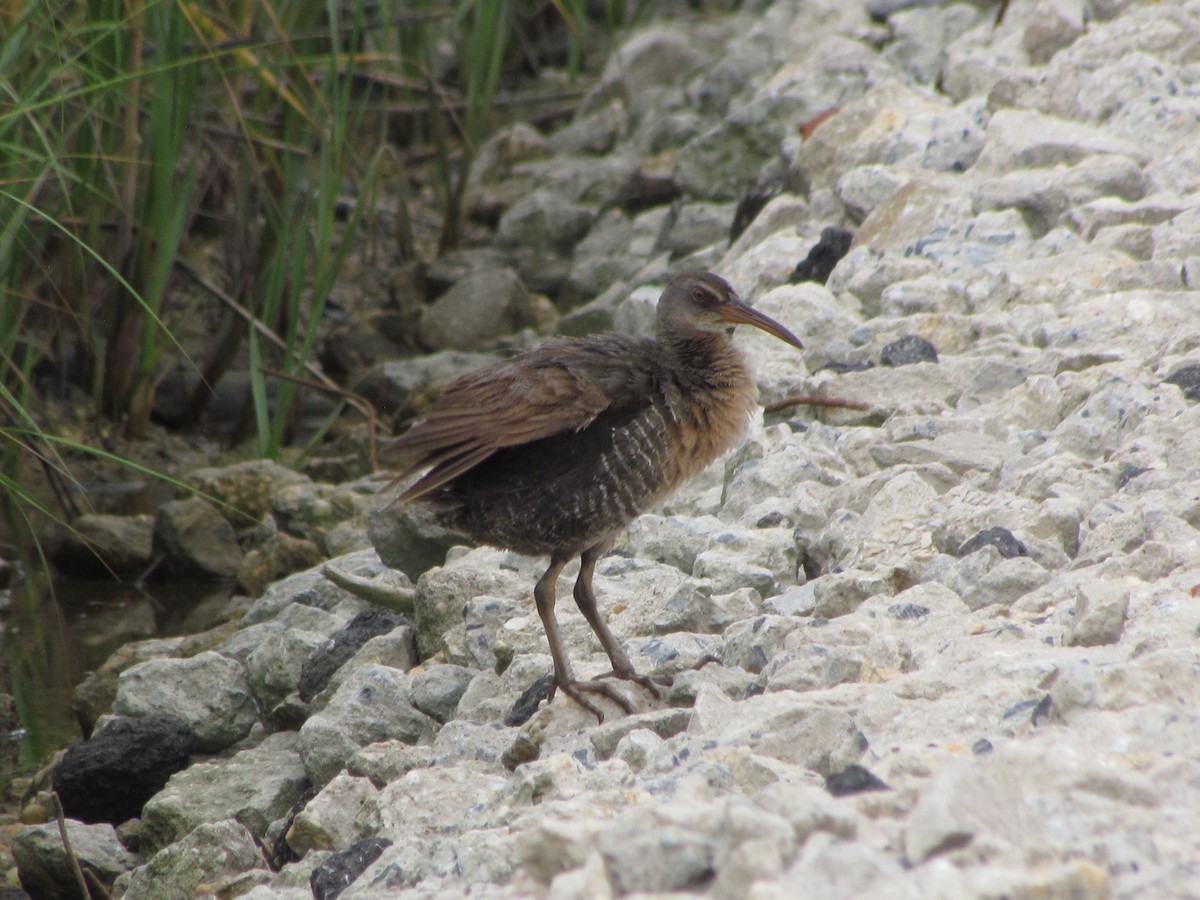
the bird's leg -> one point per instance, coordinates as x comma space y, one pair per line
544, 595
585, 599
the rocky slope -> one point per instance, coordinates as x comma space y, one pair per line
957, 631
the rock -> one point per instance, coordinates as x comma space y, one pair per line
409, 540
101, 546
428, 815
693, 226
647, 851
609, 737
986, 578
1187, 379
1000, 538
278, 556
274, 664
195, 541
319, 666
312, 511
653, 57
1052, 26
777, 726
442, 592
245, 487
853, 779
209, 692
908, 350
494, 161
1024, 139
94, 696
327, 821
340, 870
111, 776
437, 690
543, 221
676, 541
211, 852
373, 704
1100, 611
45, 870
597, 131
254, 787
920, 36
478, 309
824, 256
719, 164
407, 386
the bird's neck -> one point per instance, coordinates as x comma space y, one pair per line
706, 359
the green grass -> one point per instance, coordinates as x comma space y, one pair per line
136, 134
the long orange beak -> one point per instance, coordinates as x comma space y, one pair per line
738, 313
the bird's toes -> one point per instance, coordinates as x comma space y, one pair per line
649, 682
576, 689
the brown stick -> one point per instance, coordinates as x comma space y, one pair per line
72, 859
353, 399
806, 400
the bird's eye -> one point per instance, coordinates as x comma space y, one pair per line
700, 295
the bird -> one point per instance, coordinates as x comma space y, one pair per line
554, 451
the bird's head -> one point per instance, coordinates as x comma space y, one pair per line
704, 301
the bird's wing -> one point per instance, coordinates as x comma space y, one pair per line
561, 386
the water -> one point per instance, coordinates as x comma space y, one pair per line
50, 640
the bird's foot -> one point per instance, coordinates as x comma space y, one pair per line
576, 689
649, 682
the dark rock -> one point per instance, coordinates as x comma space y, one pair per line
100, 546
981, 746
1022, 707
907, 611
841, 368
854, 779
824, 256
282, 853
908, 350
645, 190
527, 703
1129, 472
753, 202
1187, 379
322, 663
1042, 710
451, 268
110, 777
1000, 538
339, 871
